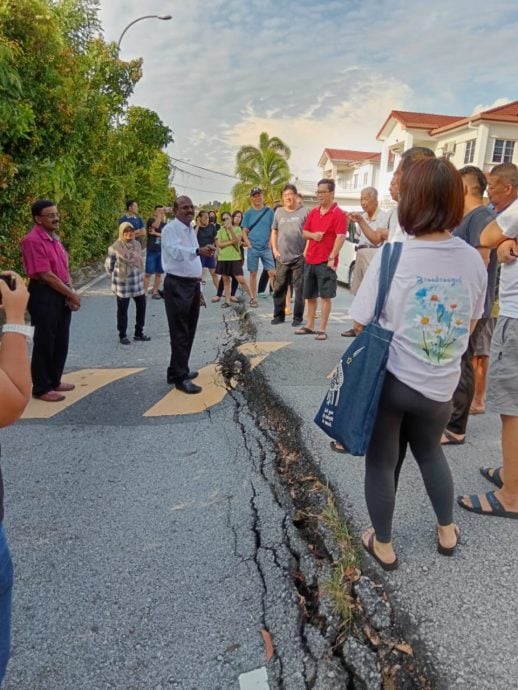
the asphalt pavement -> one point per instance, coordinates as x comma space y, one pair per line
151, 551
461, 611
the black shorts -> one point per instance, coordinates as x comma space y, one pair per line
319, 281
229, 268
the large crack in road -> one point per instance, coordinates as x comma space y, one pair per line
297, 554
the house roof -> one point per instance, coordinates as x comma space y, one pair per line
348, 155
502, 113
427, 121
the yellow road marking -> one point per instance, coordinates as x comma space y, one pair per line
86, 381
212, 383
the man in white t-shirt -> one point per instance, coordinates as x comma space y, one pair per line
503, 364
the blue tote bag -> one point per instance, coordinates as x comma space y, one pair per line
349, 409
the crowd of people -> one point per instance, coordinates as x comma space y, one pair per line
446, 350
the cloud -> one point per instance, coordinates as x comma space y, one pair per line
314, 73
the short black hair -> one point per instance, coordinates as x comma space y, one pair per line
129, 203
329, 182
39, 205
159, 206
478, 179
289, 188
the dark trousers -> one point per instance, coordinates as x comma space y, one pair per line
122, 315
233, 288
423, 421
286, 274
463, 393
182, 306
50, 317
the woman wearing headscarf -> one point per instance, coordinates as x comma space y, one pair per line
125, 264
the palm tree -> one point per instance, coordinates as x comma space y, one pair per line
265, 167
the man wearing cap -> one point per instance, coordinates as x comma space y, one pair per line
257, 226
51, 301
182, 291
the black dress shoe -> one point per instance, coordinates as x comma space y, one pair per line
192, 375
142, 337
296, 322
351, 333
276, 320
187, 386
124, 340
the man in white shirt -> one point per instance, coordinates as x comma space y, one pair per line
182, 291
502, 394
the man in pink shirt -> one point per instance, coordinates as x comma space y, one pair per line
51, 301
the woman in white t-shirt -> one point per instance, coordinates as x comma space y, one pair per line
434, 301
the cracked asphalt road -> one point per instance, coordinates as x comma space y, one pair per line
149, 552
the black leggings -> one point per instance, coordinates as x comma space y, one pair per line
423, 421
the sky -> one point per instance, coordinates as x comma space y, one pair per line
317, 73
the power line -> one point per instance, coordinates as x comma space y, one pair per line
196, 189
200, 167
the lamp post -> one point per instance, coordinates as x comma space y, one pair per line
163, 17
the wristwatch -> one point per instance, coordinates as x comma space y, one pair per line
27, 331
197, 251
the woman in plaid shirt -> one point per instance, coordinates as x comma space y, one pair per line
125, 264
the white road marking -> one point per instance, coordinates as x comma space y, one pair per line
254, 680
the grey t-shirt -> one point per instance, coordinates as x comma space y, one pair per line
469, 230
290, 242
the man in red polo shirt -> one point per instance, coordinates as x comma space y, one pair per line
324, 229
50, 303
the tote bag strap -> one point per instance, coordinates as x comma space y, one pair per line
389, 262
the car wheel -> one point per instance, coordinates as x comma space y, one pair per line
351, 274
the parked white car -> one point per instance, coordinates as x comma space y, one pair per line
346, 263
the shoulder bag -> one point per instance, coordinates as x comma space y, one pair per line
349, 409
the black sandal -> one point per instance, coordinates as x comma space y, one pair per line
494, 477
369, 547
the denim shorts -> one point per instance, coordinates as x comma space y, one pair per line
154, 262
208, 261
253, 256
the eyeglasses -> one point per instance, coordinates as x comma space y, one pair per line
49, 215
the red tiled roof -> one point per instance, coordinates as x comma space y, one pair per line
502, 113
426, 121
350, 155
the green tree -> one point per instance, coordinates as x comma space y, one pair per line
265, 166
65, 130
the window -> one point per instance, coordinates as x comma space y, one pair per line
469, 153
355, 180
365, 179
503, 151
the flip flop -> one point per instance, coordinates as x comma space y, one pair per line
337, 447
304, 331
477, 410
452, 441
494, 477
253, 303
497, 509
369, 547
447, 550
225, 305
321, 335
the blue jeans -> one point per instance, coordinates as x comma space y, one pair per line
6, 584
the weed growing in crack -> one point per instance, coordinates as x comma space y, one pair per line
346, 566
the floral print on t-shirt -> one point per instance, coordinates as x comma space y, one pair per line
438, 319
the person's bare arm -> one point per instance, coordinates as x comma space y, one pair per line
15, 375
492, 235
485, 253
338, 244
273, 242
374, 236
317, 236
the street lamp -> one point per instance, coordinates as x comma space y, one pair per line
163, 17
